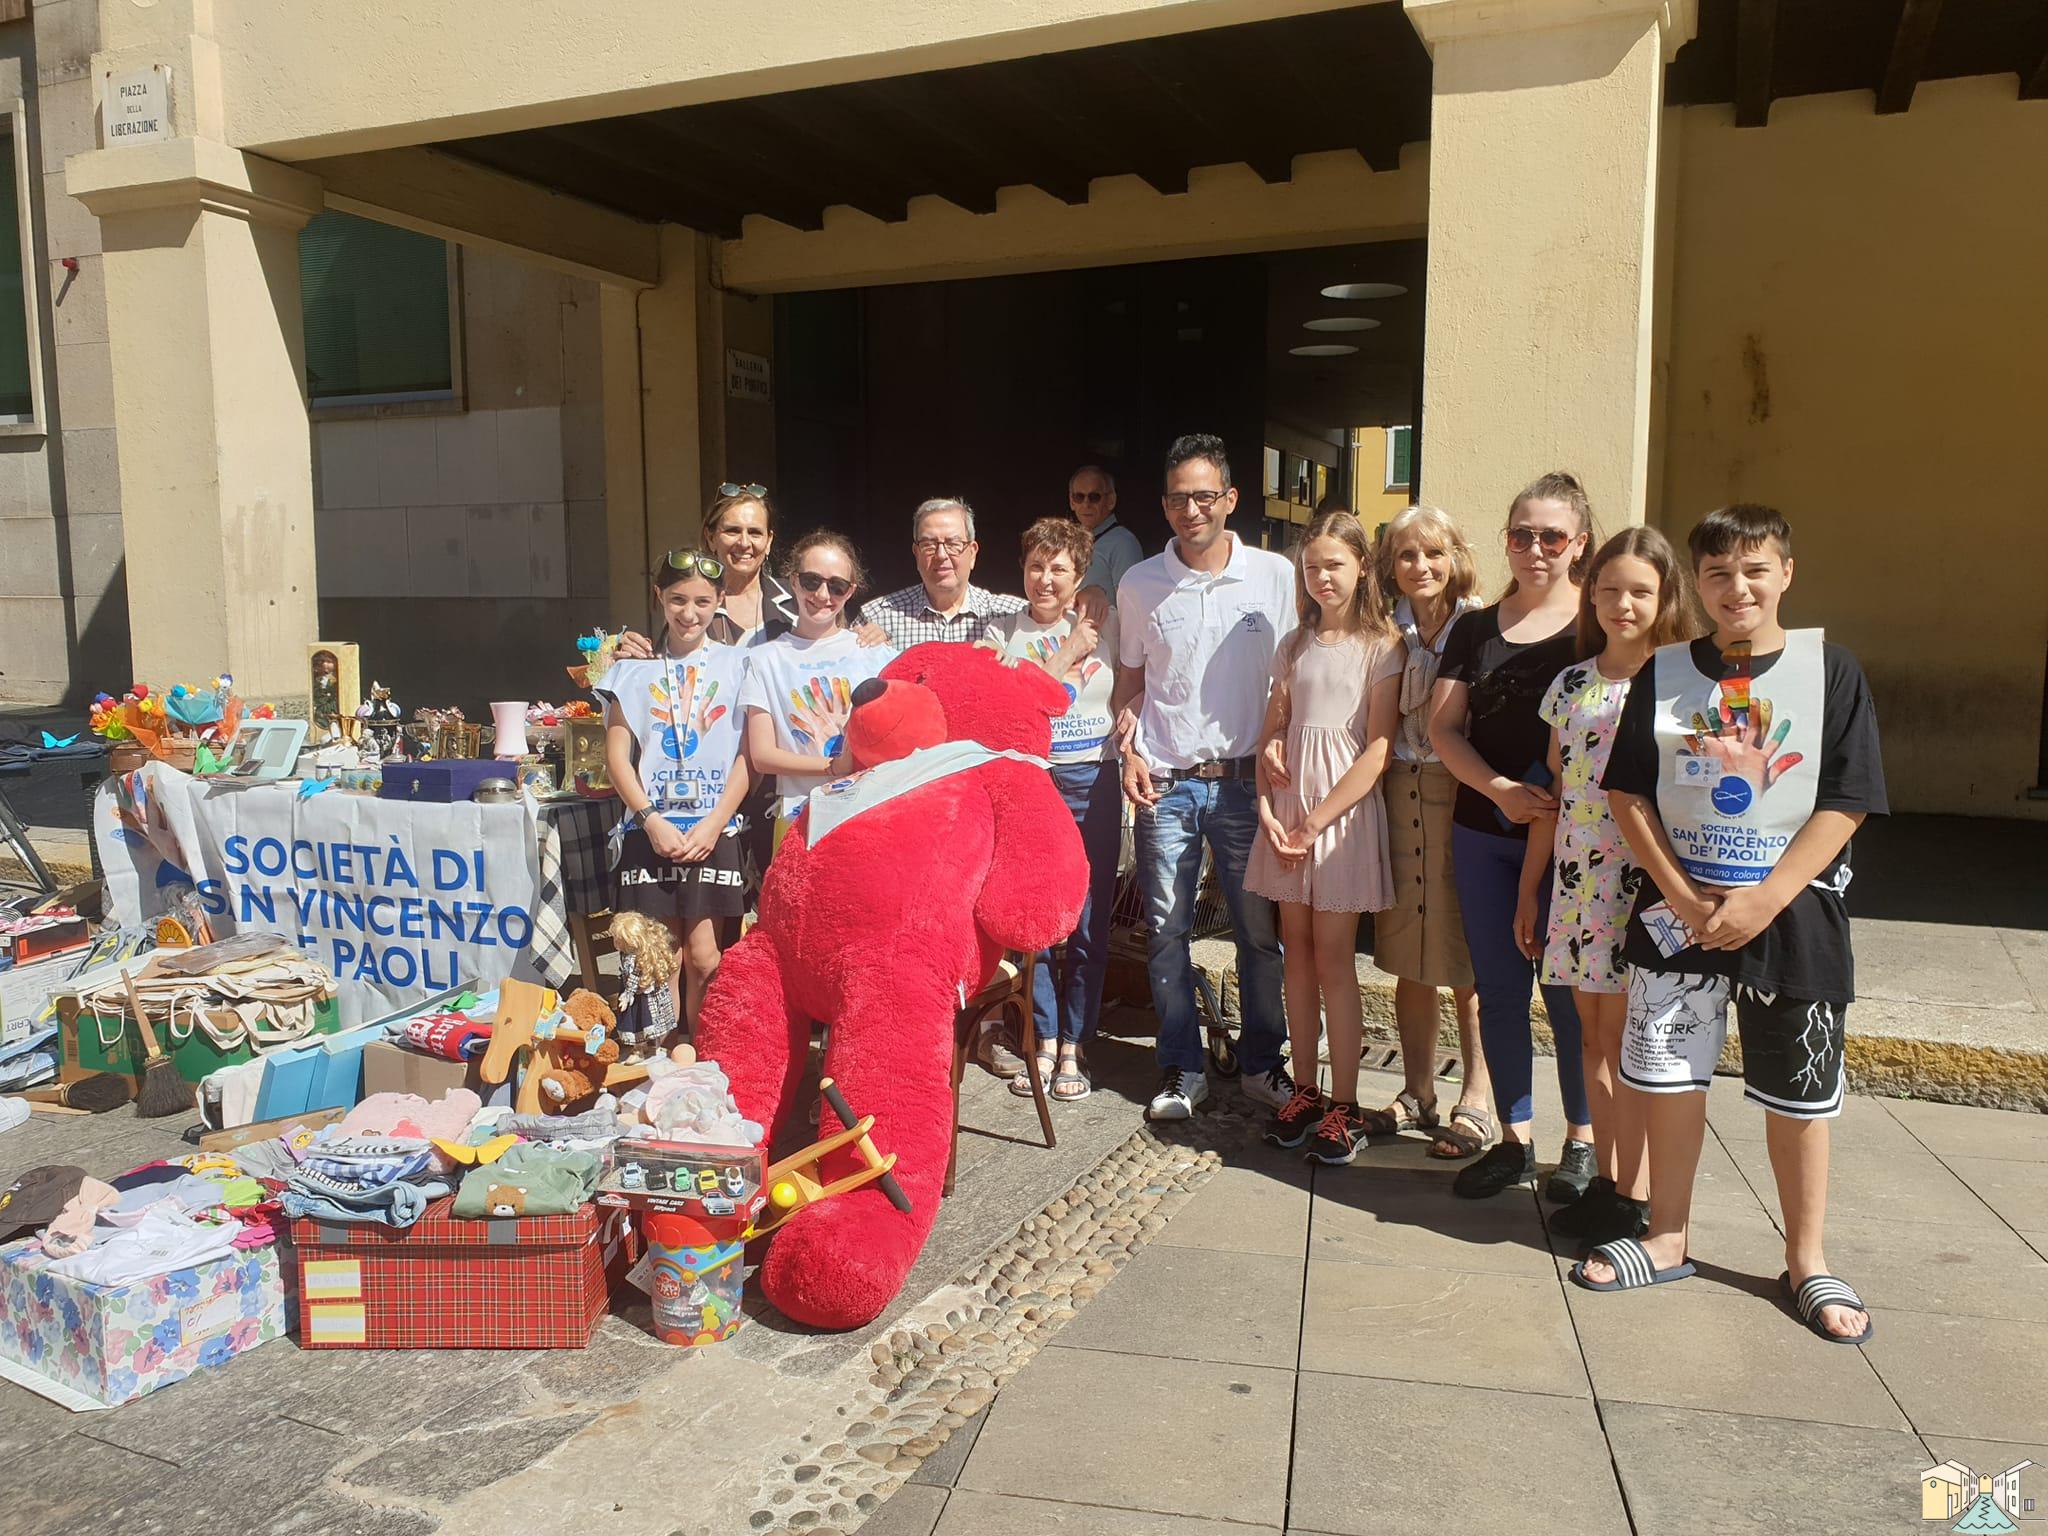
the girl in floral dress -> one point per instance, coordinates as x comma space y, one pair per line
1635, 598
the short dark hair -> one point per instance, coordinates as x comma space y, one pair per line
1746, 525
1199, 445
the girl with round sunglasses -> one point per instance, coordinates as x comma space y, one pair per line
672, 746
799, 687
1486, 726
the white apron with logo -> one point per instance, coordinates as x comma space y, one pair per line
1738, 762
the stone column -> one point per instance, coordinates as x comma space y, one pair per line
1543, 156
202, 285
664, 413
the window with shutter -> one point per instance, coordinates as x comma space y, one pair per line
19, 373
1400, 458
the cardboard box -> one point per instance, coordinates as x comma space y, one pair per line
389, 1068
107, 1344
530, 1282
708, 1183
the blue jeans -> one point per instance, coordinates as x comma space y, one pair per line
1225, 813
1066, 991
1488, 869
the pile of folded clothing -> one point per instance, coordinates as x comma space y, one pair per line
384, 1161
152, 1220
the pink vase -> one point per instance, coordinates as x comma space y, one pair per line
509, 718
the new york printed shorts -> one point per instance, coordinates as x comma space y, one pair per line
1791, 1046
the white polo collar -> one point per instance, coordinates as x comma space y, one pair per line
1182, 572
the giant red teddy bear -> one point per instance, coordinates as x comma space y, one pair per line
877, 930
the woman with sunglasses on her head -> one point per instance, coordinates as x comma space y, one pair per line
1486, 726
799, 686
672, 746
739, 529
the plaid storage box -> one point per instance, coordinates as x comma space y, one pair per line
110, 1343
529, 1282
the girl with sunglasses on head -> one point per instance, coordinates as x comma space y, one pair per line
799, 687
1486, 726
672, 746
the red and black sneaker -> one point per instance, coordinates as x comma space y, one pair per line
1293, 1120
1338, 1135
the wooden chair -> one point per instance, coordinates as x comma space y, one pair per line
591, 934
1007, 996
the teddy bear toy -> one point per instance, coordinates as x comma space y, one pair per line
578, 1070
891, 899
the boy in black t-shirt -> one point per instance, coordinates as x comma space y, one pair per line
1741, 766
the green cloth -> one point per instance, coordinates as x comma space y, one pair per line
531, 1179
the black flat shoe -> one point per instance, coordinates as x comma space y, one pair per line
1505, 1166
1575, 1220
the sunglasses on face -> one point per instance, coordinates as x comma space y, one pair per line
697, 562
1090, 497
1177, 501
729, 489
817, 581
1553, 540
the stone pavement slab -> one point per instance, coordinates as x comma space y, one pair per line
2016, 1191
1689, 1349
969, 1513
1686, 1471
1903, 1185
1955, 1271
1197, 1304
1978, 1378
1175, 1437
1391, 1458
1956, 1130
1248, 1210
1444, 1326
1413, 1221
1737, 1252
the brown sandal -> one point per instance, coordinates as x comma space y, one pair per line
1463, 1143
1406, 1113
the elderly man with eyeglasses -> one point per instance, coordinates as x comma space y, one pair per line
945, 605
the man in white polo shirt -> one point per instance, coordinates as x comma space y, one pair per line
1198, 625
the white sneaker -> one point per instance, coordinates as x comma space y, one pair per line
1179, 1093
1272, 1089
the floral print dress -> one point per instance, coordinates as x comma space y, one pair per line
1594, 884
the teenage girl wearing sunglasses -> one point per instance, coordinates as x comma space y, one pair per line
1487, 729
799, 686
672, 745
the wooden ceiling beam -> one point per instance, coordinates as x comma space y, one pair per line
1910, 45
1177, 72
1102, 104
702, 149
1035, 128
537, 156
1756, 36
1339, 79
932, 162
804, 133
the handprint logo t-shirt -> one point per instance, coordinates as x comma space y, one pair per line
684, 711
806, 688
1082, 734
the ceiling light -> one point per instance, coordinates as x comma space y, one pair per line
1364, 291
1341, 323
1323, 349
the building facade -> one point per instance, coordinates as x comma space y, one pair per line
1695, 250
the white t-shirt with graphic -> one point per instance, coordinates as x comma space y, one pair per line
684, 711
1082, 734
806, 687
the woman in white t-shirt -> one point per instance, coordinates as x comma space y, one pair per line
672, 745
799, 686
1066, 999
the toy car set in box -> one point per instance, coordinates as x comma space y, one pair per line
686, 1177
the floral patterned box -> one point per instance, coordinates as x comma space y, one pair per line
113, 1343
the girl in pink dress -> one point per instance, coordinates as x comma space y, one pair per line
1322, 855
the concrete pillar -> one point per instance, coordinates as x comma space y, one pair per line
202, 286
664, 413
1543, 158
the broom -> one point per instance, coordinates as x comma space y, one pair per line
164, 1092
89, 1095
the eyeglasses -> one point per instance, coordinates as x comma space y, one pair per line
1090, 497
1553, 540
695, 560
729, 489
817, 581
933, 546
1177, 501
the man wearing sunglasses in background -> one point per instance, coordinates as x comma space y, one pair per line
1091, 497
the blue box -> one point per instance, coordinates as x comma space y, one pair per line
442, 782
